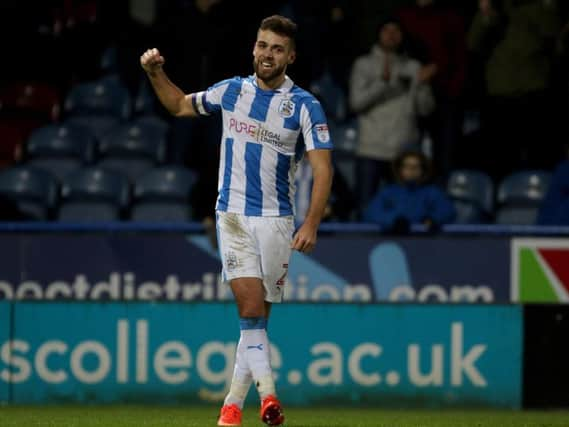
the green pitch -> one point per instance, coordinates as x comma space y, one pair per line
137, 416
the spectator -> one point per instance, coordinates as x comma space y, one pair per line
411, 200
436, 36
554, 209
519, 44
388, 91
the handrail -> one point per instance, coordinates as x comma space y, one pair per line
332, 227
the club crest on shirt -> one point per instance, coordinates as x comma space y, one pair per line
286, 108
322, 133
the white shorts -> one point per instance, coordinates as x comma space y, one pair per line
256, 246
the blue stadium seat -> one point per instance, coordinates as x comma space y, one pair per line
100, 105
99, 126
344, 136
109, 60
60, 149
163, 195
524, 186
145, 100
520, 195
30, 193
94, 194
105, 97
472, 193
331, 96
154, 121
133, 149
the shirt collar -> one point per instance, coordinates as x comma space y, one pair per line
284, 87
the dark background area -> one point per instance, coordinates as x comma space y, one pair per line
59, 45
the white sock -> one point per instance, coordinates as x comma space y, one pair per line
242, 378
257, 352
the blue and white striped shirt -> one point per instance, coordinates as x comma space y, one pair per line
260, 146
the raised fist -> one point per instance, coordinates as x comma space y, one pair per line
151, 60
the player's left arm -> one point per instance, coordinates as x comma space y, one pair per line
321, 162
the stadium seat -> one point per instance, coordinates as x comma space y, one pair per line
92, 195
331, 96
472, 193
109, 60
60, 149
519, 197
163, 195
344, 136
154, 121
105, 97
27, 193
99, 126
145, 100
133, 149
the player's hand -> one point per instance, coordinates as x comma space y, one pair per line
305, 238
152, 61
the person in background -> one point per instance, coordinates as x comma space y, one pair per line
436, 35
412, 199
554, 209
517, 39
389, 92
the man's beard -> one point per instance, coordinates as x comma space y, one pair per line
267, 75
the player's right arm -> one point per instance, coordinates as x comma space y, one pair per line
170, 95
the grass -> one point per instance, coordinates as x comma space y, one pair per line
161, 416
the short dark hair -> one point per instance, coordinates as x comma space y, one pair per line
426, 165
389, 19
282, 26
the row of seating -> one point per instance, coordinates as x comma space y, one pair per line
98, 105
131, 148
106, 96
104, 103
163, 194
96, 194
99, 130
516, 201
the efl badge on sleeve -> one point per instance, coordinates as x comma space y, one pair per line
322, 133
286, 108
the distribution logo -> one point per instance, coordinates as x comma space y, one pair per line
540, 270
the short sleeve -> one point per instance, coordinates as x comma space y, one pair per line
209, 101
314, 126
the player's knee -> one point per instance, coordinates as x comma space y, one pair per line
252, 310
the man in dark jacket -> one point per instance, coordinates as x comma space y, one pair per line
436, 36
412, 200
516, 42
